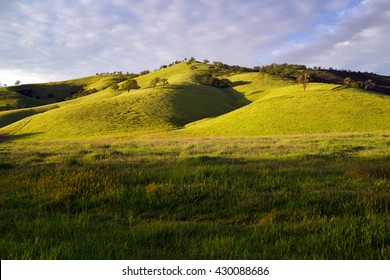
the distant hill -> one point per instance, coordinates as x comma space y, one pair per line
330, 76
338, 76
256, 103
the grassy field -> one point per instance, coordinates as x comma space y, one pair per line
278, 197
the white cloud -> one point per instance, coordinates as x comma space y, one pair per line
356, 40
69, 38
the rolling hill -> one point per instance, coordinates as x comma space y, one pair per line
256, 104
108, 112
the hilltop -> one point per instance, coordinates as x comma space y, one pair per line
248, 102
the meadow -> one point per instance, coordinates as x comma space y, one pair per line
318, 196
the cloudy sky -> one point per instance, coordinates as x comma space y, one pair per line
51, 40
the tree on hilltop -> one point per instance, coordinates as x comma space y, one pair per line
191, 60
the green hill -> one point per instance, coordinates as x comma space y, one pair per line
107, 112
321, 108
256, 104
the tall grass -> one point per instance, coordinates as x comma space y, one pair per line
319, 197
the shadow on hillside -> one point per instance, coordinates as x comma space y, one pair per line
9, 138
196, 102
241, 83
48, 93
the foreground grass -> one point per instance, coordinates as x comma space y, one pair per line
284, 197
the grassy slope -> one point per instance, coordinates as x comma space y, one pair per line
277, 107
254, 85
15, 100
288, 110
58, 91
134, 112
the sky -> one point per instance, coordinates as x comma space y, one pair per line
54, 40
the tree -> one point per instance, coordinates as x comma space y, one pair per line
18, 82
215, 82
115, 87
369, 84
191, 60
206, 61
164, 82
144, 72
161, 81
303, 79
154, 82
348, 82
130, 84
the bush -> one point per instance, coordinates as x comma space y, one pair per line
215, 82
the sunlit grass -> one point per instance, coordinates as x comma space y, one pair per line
279, 197
322, 108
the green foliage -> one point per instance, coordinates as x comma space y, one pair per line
159, 81
348, 82
145, 72
130, 84
164, 82
290, 71
209, 80
221, 69
115, 87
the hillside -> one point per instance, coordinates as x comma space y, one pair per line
11, 100
116, 113
255, 104
322, 108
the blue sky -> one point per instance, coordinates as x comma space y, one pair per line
51, 40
